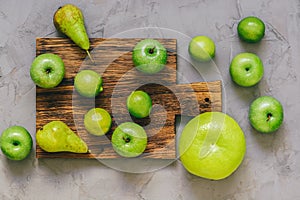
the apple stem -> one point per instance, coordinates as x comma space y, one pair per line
15, 143
269, 117
48, 70
151, 51
126, 139
89, 55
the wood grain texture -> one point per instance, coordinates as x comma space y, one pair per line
112, 59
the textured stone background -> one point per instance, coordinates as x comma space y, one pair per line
271, 168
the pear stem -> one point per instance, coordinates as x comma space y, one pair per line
89, 55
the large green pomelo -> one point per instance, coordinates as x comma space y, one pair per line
212, 145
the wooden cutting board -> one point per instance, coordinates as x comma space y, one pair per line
113, 60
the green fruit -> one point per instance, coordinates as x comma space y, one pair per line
69, 20
246, 69
139, 104
88, 83
266, 114
212, 145
251, 29
56, 136
47, 70
97, 121
16, 143
202, 48
149, 56
129, 139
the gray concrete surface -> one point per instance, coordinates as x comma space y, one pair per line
271, 168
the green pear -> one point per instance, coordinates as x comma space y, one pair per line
68, 19
56, 136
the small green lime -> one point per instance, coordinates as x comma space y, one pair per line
139, 104
251, 29
202, 48
97, 121
88, 83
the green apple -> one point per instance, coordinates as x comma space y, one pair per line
246, 69
16, 143
212, 145
97, 121
251, 29
266, 114
202, 48
139, 104
47, 70
149, 56
129, 139
88, 83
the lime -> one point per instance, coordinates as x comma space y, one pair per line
251, 29
139, 104
88, 83
97, 121
212, 145
202, 48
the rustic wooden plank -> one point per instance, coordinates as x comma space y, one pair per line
113, 61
